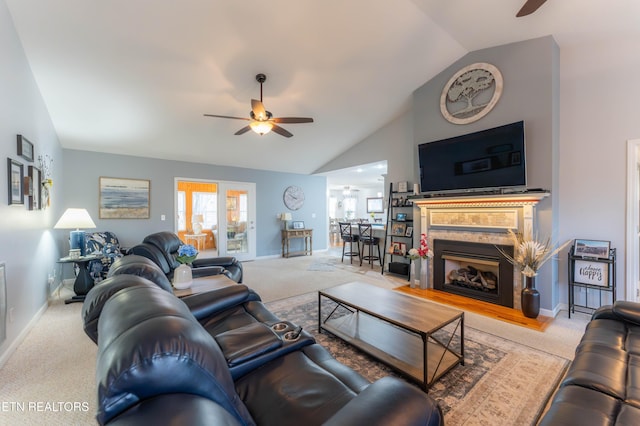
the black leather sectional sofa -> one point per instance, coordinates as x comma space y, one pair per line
222, 358
162, 248
602, 385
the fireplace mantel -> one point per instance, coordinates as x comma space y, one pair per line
479, 218
497, 200
500, 211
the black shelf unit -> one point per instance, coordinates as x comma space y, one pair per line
398, 203
600, 265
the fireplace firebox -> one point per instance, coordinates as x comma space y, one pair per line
475, 270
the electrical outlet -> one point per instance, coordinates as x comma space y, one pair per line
163, 217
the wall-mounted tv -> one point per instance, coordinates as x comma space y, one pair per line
485, 160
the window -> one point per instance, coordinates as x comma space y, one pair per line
206, 204
182, 211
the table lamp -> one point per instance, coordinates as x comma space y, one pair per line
285, 217
196, 225
75, 219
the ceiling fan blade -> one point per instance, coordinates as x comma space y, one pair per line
292, 120
529, 7
282, 132
258, 110
226, 116
242, 131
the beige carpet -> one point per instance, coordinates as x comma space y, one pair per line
49, 380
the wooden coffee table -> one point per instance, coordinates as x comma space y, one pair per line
404, 332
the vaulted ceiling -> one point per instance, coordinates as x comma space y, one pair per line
135, 77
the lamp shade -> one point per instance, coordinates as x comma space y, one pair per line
75, 219
285, 216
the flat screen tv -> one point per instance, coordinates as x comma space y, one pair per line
491, 159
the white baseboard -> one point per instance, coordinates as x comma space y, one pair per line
23, 334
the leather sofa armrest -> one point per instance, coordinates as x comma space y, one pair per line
604, 312
207, 271
628, 311
214, 261
203, 305
389, 401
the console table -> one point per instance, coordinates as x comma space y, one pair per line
290, 234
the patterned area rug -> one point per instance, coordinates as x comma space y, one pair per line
501, 383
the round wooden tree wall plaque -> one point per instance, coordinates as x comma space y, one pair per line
471, 93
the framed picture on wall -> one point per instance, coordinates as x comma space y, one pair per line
25, 148
36, 188
15, 179
374, 205
122, 198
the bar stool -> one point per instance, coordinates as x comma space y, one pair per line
347, 237
367, 239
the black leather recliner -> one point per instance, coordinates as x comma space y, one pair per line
157, 364
162, 248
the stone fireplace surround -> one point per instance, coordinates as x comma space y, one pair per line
480, 219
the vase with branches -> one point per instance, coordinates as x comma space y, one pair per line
529, 254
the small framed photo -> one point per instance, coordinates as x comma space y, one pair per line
25, 148
395, 202
399, 249
398, 229
591, 272
402, 186
15, 179
409, 232
297, 224
401, 217
591, 248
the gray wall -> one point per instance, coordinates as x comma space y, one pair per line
84, 169
27, 244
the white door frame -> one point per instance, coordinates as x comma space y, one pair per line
632, 260
250, 187
222, 220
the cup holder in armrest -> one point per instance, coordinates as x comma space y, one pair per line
293, 335
280, 326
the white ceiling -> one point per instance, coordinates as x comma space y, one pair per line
135, 77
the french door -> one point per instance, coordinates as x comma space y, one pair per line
238, 220
222, 213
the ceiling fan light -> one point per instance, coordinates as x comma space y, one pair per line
261, 127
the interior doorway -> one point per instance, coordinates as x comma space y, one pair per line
633, 221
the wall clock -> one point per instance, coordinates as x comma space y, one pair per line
293, 197
471, 93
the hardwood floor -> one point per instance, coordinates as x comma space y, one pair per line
491, 310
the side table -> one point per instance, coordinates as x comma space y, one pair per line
200, 240
83, 282
290, 234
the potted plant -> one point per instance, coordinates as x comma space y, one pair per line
182, 276
529, 255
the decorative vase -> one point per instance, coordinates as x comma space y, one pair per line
182, 277
423, 273
530, 298
412, 274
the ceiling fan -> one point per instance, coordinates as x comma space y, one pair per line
262, 121
529, 7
